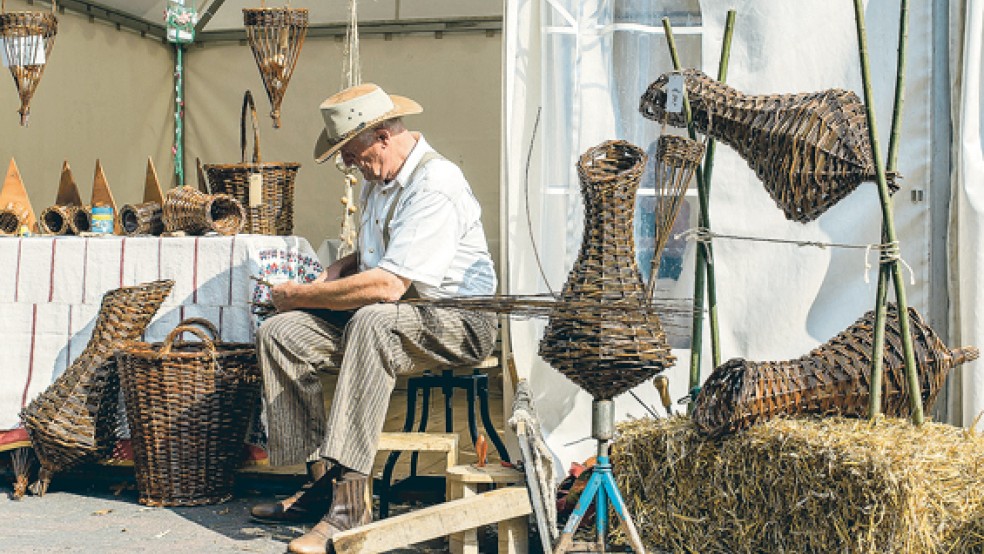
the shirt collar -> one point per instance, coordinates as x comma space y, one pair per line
411, 162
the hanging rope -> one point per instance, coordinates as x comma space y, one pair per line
351, 76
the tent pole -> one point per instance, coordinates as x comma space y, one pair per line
178, 148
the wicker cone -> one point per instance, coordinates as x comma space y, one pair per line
603, 352
276, 36
810, 150
75, 419
142, 219
55, 220
15, 27
10, 221
272, 211
188, 406
832, 379
187, 209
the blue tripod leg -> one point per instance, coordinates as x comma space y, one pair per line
587, 498
628, 526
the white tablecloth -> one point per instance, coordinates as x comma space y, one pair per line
51, 288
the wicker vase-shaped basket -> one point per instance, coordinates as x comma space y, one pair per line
186, 209
833, 379
188, 405
27, 38
810, 150
276, 36
605, 352
266, 190
75, 419
142, 219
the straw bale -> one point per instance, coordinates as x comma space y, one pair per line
804, 485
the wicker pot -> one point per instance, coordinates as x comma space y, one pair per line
75, 419
603, 351
188, 405
833, 379
192, 211
142, 219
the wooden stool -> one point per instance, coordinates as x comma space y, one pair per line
464, 481
396, 442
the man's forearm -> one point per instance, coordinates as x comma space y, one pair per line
346, 293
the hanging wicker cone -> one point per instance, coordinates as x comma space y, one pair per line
810, 150
142, 219
265, 189
187, 209
76, 418
604, 352
833, 379
276, 36
677, 159
27, 38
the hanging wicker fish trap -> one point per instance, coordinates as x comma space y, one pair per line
142, 219
26, 39
606, 352
276, 36
187, 209
677, 158
810, 150
833, 379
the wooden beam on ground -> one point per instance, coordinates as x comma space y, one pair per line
435, 521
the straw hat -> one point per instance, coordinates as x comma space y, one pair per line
355, 109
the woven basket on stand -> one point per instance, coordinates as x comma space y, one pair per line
188, 405
75, 418
266, 190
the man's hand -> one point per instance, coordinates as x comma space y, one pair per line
283, 296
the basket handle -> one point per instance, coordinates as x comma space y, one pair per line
248, 102
169, 341
203, 323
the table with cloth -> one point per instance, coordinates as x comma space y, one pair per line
51, 289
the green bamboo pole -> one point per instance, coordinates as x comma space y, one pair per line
888, 222
178, 149
881, 307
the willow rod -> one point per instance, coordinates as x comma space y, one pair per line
888, 222
877, 358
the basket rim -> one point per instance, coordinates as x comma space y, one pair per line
251, 165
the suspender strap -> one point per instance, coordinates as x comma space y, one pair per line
428, 156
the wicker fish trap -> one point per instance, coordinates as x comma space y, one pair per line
80, 220
10, 221
810, 150
276, 36
832, 379
57, 220
187, 209
75, 419
603, 352
266, 190
27, 38
188, 405
142, 219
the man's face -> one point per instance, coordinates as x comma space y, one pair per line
369, 156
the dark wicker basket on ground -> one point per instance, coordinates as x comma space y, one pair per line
606, 352
142, 219
186, 209
188, 405
75, 419
269, 203
833, 379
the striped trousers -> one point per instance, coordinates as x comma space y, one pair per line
369, 348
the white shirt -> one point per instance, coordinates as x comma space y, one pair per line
436, 237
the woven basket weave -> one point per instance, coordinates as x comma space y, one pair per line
17, 26
276, 36
604, 352
187, 209
832, 380
10, 222
188, 405
810, 150
142, 219
272, 211
75, 418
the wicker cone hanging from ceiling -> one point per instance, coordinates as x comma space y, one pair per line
27, 38
832, 379
605, 352
276, 36
810, 150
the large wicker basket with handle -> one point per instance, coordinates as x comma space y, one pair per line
188, 405
266, 190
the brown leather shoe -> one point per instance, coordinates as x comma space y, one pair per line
307, 505
348, 511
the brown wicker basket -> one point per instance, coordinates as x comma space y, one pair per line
10, 221
832, 380
187, 209
270, 205
20, 25
75, 419
142, 219
188, 405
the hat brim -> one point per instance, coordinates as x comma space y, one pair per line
325, 149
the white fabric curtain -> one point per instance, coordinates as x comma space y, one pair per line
966, 232
586, 64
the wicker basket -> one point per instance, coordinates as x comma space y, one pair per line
75, 418
270, 205
142, 219
188, 405
18, 26
186, 209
